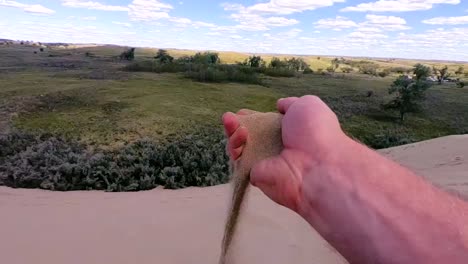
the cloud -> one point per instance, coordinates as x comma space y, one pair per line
147, 10
35, 9
122, 24
281, 7
447, 20
388, 23
397, 5
373, 23
337, 23
92, 5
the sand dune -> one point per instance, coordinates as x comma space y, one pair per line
184, 226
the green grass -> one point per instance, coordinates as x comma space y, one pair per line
91, 99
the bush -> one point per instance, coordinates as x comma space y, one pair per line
53, 163
368, 68
225, 73
399, 70
128, 54
41, 49
279, 72
331, 69
308, 70
384, 73
460, 84
347, 69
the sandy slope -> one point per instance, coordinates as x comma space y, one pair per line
183, 226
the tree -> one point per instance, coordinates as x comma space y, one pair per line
442, 73
297, 64
206, 58
335, 63
163, 57
409, 92
255, 61
421, 71
460, 70
128, 54
277, 63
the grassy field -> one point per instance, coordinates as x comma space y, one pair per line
73, 119
90, 98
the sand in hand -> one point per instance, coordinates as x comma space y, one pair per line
184, 226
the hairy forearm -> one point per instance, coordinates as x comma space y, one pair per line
373, 210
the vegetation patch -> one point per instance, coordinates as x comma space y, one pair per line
58, 164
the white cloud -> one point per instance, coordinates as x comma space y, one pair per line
147, 10
337, 23
388, 23
282, 7
122, 24
36, 9
447, 20
398, 5
92, 5
89, 18
373, 23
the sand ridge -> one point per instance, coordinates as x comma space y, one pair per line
184, 226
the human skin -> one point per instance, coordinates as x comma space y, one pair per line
371, 209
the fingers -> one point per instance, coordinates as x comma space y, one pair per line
236, 142
230, 123
284, 103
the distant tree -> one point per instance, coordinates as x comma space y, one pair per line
442, 73
206, 58
128, 54
277, 63
163, 57
255, 61
318, 58
410, 92
421, 71
22, 43
41, 49
297, 64
335, 63
460, 70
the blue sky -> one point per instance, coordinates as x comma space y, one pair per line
424, 29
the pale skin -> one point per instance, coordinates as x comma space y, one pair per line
371, 209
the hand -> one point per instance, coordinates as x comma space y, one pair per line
312, 137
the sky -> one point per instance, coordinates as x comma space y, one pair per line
419, 29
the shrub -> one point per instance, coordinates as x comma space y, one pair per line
128, 54
163, 57
399, 70
225, 73
308, 70
206, 58
460, 84
347, 69
41, 49
331, 69
387, 139
368, 68
409, 92
53, 163
279, 72
384, 73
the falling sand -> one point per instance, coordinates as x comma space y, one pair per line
264, 141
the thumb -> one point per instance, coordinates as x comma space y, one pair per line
274, 177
